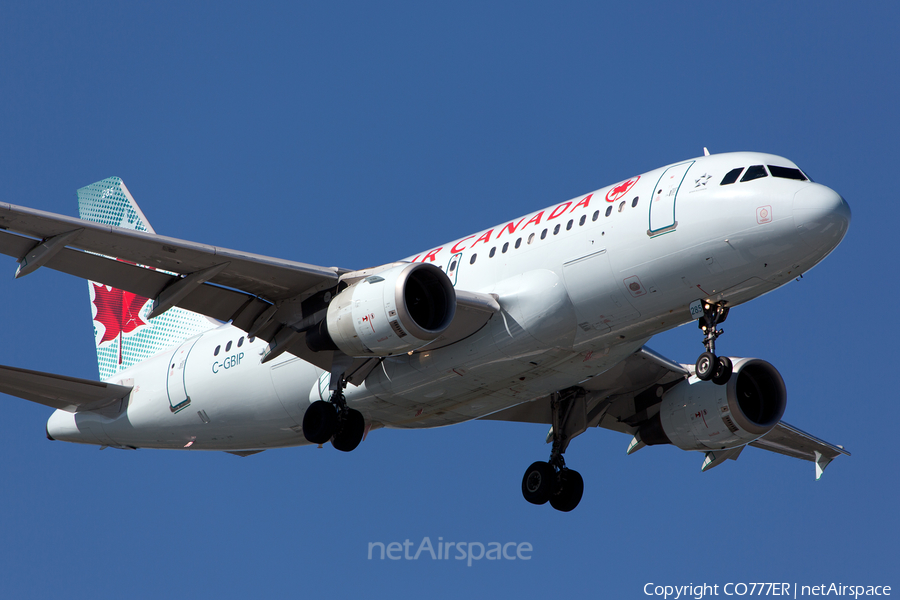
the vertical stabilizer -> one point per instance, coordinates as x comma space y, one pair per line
123, 332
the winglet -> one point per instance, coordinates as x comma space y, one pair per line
821, 463
636, 444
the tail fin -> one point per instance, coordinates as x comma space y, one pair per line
123, 333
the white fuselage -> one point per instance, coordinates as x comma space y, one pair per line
581, 284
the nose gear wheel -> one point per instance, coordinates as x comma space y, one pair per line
709, 366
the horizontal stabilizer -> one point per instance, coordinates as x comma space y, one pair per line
58, 391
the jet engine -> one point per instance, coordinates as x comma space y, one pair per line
393, 311
700, 415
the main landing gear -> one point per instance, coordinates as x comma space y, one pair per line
552, 481
335, 421
709, 366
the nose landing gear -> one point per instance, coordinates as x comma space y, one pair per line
552, 481
709, 366
335, 421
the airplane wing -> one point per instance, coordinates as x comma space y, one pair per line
270, 298
58, 391
790, 441
628, 394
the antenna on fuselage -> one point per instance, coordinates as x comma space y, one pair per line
705, 151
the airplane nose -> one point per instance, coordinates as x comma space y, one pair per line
821, 216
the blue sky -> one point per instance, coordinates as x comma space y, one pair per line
353, 134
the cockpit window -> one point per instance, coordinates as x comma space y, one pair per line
787, 173
754, 172
731, 176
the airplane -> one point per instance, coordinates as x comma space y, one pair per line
542, 319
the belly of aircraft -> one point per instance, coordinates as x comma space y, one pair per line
465, 382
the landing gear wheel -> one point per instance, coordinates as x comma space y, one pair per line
320, 422
724, 368
350, 432
539, 482
569, 490
706, 366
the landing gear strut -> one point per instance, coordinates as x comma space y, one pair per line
709, 366
335, 421
552, 481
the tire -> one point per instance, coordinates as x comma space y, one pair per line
539, 482
350, 432
706, 366
724, 369
569, 492
319, 422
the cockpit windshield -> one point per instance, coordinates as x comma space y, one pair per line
759, 171
754, 172
731, 176
787, 173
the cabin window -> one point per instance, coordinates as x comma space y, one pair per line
251, 339
216, 351
492, 252
582, 220
754, 172
530, 239
609, 210
505, 247
543, 234
731, 176
518, 243
596, 215
621, 206
787, 173
556, 230
228, 347
569, 224
472, 260
240, 341
635, 201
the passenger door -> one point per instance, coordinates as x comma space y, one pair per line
662, 204
178, 396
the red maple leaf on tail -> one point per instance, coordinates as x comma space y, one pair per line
118, 311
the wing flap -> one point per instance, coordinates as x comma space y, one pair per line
213, 301
267, 277
59, 391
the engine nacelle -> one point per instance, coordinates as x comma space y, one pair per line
700, 415
394, 311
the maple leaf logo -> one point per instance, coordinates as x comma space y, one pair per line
621, 189
118, 311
